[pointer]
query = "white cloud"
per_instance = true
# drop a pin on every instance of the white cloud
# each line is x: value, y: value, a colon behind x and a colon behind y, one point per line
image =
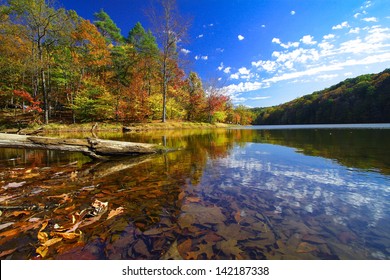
x: 331, y: 67
x: 185, y: 51
x: 308, y: 40
x: 366, y: 5
x: 263, y: 25
x: 286, y: 46
x: 269, y: 65
x: 240, y: 37
x: 348, y: 74
x: 220, y: 67
x: 227, y: 70
x: 234, y: 76
x: 329, y: 36
x: 200, y: 36
x: 201, y: 57
x: 235, y: 89
x: 342, y: 25
x: 370, y: 19
x: 298, y: 55
x: 292, y: 13
x: 356, y: 15
x: 354, y: 30
x: 220, y: 50
x: 259, y: 97
x: 325, y: 46
x: 244, y: 71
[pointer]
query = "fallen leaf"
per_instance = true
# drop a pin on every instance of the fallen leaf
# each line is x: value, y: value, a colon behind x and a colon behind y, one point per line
x: 305, y: 247
x: 18, y: 213
x: 141, y: 248
x: 7, y: 252
x: 52, y: 241
x: 115, y: 212
x: 14, y: 185
x: 66, y: 235
x: 193, y: 199
x: 3, y: 226
x: 99, y: 207
x: 42, y: 237
x: 42, y: 251
x: 206, y: 249
x: 237, y: 216
x: 184, y: 247
x: 230, y: 247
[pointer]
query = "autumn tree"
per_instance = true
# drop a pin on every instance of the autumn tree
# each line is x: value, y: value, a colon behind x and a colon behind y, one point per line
x: 216, y: 102
x: 44, y: 24
x: 196, y: 102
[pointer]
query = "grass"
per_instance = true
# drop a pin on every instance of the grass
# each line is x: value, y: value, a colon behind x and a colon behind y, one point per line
x: 11, y: 123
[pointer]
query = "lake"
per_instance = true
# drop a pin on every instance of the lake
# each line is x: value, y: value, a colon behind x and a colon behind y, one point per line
x: 280, y: 192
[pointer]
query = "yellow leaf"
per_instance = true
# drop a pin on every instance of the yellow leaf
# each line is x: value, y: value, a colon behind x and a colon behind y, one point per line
x: 67, y: 235
x: 42, y: 237
x: 115, y: 212
x: 42, y: 250
x: 52, y: 241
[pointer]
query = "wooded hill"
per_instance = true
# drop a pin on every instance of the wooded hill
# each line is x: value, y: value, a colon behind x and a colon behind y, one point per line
x: 364, y: 99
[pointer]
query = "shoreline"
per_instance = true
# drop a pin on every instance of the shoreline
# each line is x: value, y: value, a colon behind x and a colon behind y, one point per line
x: 117, y: 127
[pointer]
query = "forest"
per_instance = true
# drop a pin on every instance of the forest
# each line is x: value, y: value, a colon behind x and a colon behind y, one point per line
x: 58, y: 66
x: 364, y: 99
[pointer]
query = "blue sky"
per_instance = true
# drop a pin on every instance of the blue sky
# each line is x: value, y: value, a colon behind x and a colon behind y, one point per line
x: 266, y: 52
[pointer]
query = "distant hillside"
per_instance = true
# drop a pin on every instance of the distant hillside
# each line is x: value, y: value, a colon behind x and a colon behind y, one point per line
x: 364, y: 99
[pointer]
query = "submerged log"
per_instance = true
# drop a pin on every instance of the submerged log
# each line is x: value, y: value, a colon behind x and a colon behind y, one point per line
x: 92, y: 147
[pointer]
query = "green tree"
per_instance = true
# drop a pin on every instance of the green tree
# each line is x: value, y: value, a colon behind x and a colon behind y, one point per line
x: 107, y: 27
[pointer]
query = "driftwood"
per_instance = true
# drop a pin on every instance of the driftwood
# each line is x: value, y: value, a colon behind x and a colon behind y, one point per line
x: 95, y: 148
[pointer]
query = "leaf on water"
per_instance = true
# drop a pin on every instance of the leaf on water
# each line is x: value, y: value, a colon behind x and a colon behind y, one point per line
x: 115, y: 212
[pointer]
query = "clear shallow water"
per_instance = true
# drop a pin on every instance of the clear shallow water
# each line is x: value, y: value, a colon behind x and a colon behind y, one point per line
x: 224, y: 194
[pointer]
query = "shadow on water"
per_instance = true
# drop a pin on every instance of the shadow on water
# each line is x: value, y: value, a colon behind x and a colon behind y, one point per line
x: 222, y: 194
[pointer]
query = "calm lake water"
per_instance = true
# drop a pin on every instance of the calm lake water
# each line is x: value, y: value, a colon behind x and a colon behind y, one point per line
x: 281, y: 192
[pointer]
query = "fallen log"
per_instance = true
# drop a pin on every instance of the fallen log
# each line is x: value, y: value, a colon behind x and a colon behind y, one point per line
x: 92, y: 147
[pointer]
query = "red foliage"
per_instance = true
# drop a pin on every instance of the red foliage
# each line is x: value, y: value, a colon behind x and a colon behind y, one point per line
x: 34, y: 105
